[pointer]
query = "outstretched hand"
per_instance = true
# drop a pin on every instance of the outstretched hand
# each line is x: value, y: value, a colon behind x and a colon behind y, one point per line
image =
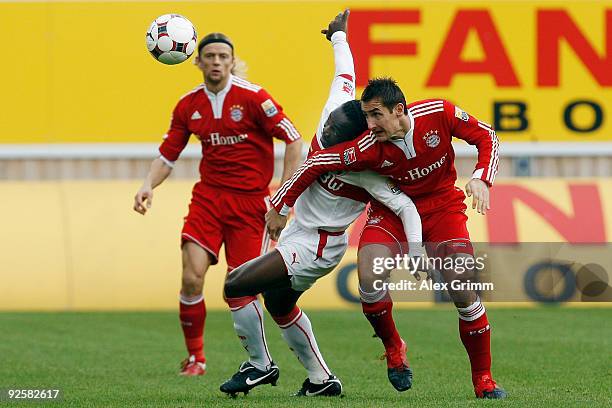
x: 340, y: 23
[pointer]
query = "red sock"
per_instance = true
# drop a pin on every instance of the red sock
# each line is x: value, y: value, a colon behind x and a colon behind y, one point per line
x: 380, y: 316
x: 476, y: 338
x: 192, y: 316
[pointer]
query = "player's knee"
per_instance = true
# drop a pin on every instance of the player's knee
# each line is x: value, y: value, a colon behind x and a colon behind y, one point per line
x: 463, y: 298
x: 234, y: 284
x: 460, y: 268
x: 193, y: 278
x: 365, y: 260
x: 370, y: 260
x: 192, y: 285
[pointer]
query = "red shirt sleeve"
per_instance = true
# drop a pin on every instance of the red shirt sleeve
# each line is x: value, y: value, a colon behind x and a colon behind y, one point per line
x: 177, y: 136
x: 479, y: 134
x: 355, y: 155
x: 273, y: 120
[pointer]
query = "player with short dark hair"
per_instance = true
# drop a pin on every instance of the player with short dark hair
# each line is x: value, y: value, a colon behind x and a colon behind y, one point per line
x: 412, y: 144
x: 384, y: 89
x: 236, y: 122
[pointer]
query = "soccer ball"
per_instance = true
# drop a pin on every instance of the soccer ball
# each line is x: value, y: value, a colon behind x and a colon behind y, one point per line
x: 171, y: 39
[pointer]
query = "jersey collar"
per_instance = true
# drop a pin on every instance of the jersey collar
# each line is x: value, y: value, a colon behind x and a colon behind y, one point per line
x: 411, y: 130
x: 222, y: 92
x: 217, y: 99
x: 407, y: 142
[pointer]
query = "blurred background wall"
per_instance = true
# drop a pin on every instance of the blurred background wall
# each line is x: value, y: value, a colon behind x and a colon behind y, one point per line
x: 84, y: 107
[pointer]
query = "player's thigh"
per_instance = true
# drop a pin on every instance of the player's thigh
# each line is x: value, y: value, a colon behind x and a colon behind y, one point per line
x: 451, y: 249
x: 459, y: 268
x: 202, y: 224
x: 244, y: 229
x: 375, y: 246
x: 446, y: 233
x: 196, y: 260
x: 257, y: 275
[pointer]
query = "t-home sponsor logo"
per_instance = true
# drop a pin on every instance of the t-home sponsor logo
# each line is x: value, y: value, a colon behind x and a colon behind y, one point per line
x: 217, y: 140
x: 418, y: 172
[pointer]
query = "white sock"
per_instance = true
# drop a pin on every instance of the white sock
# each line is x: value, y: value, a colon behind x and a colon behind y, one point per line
x: 301, y: 340
x: 248, y: 324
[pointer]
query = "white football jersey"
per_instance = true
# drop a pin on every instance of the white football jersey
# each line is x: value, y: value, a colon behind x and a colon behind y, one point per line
x: 333, y: 202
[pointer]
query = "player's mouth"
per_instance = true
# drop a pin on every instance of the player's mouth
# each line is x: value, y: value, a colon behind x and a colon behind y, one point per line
x: 379, y: 134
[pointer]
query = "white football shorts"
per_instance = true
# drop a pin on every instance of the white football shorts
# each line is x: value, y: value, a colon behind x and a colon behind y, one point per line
x: 310, y: 254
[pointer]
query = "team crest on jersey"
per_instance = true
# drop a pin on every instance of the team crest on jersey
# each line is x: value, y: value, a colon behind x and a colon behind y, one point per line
x: 236, y: 113
x: 350, y: 156
x: 374, y: 220
x: 269, y: 108
x: 432, y: 139
x: 348, y: 88
x: 460, y: 114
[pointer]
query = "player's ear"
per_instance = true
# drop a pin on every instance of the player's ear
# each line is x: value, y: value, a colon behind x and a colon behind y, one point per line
x: 399, y: 109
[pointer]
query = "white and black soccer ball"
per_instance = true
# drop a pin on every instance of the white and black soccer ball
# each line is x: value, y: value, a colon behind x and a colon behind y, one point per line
x: 171, y: 39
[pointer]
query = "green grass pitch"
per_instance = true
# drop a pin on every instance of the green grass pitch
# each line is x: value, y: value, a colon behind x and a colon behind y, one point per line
x: 545, y: 356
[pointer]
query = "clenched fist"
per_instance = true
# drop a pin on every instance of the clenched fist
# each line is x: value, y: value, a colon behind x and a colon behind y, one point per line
x: 340, y: 23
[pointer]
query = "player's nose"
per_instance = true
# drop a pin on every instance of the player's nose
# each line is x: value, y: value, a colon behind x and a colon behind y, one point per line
x: 371, y: 124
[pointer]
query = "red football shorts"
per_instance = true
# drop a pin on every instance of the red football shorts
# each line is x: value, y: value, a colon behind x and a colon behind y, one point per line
x: 442, y: 217
x: 219, y: 217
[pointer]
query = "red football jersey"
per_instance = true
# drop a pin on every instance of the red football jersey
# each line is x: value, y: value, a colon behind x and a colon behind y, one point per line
x: 235, y: 127
x: 422, y: 163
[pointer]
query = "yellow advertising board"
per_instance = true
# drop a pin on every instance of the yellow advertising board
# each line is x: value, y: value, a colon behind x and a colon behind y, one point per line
x: 79, y: 245
x: 79, y: 70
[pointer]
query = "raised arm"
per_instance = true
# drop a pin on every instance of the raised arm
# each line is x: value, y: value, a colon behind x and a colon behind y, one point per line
x: 342, y: 88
